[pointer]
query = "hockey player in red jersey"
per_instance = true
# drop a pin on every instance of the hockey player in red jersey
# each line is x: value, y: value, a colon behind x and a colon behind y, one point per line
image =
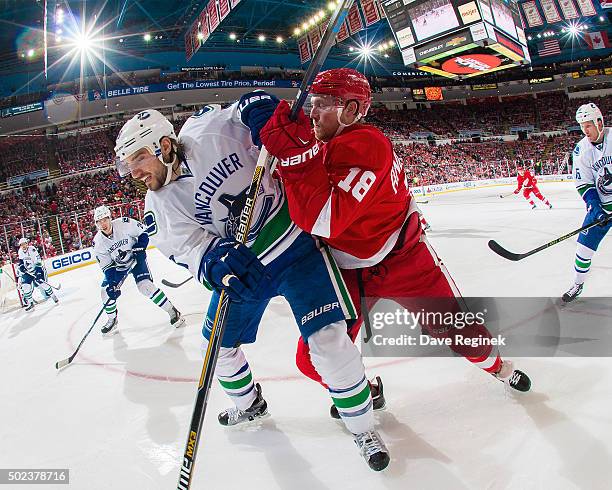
x: 528, y: 183
x: 345, y: 185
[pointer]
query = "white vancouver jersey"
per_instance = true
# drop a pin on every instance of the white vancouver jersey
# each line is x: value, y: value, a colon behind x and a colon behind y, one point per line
x: 186, y: 218
x: 30, y: 258
x: 593, y: 168
x: 125, y: 234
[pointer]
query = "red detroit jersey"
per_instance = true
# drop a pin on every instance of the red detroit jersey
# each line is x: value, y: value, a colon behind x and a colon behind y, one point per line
x: 352, y: 192
x: 526, y: 180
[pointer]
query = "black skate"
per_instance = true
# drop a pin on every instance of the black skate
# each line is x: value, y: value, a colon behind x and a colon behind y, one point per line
x: 176, y: 319
x: 29, y: 306
x: 373, y: 450
x: 235, y: 416
x: 378, y: 398
x: 110, y: 327
x: 514, y: 378
x: 573, y: 293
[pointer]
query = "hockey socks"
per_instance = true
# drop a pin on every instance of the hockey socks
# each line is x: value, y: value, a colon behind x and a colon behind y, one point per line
x: 339, y: 363
x: 490, y: 362
x: 582, y: 263
x: 234, y: 375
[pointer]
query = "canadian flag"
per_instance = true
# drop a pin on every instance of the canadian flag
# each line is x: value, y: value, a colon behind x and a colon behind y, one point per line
x: 597, y: 40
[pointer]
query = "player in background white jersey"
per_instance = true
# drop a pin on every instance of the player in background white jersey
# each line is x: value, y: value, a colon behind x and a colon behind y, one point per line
x: 120, y: 248
x: 197, y: 187
x: 592, y: 159
x: 32, y: 273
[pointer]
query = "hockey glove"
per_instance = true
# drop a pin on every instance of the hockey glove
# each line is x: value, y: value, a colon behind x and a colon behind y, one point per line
x: 284, y: 138
x: 232, y: 267
x: 255, y: 109
x: 594, y: 210
x: 113, y: 291
x: 141, y: 244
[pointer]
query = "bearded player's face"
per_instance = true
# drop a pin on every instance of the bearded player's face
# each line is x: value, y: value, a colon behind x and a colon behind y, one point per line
x: 147, y: 168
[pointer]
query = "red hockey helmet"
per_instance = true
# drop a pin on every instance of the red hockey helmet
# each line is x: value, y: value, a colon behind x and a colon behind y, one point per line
x: 345, y: 83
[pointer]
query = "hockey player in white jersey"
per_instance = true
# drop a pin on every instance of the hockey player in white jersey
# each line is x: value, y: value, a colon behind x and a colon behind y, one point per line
x: 32, y: 273
x: 592, y: 159
x: 120, y: 248
x: 197, y: 187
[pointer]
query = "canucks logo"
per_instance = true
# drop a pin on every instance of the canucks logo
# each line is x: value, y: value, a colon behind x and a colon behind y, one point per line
x: 604, y: 182
x: 234, y: 205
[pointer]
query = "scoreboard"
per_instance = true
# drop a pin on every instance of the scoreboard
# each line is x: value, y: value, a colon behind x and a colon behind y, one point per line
x: 458, y: 38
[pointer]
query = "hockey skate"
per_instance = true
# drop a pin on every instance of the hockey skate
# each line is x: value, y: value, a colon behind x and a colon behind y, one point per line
x: 54, y: 298
x: 110, y: 327
x: 373, y: 450
x: 573, y: 293
x: 30, y: 306
x: 378, y: 398
x: 514, y: 378
x: 235, y: 416
x: 176, y: 319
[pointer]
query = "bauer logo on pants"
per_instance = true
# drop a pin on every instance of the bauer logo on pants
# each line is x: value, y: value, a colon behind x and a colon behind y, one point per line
x: 319, y: 311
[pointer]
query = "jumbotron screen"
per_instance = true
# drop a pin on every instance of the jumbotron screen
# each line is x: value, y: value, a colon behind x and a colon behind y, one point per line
x: 458, y: 38
x: 432, y: 17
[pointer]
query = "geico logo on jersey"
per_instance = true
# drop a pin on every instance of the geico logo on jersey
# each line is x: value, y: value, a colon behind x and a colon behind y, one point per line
x: 303, y: 157
x: 71, y: 259
x: 319, y: 311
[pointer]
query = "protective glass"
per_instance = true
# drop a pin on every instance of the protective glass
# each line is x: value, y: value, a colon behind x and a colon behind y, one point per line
x: 322, y: 103
x: 135, y: 160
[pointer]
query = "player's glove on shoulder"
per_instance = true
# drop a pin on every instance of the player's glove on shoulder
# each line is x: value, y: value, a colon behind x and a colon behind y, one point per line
x: 255, y: 108
x: 232, y: 267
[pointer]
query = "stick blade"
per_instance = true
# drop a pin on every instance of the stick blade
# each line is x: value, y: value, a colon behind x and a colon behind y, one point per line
x: 506, y: 254
x: 62, y: 364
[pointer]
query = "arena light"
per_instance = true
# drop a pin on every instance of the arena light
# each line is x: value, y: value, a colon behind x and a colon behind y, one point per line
x: 279, y: 39
x: 261, y: 38
x: 232, y: 36
x: 366, y: 51
x: 147, y: 37
x: 200, y: 36
x: 30, y: 53
x: 331, y: 6
x: 296, y: 31
x: 573, y: 30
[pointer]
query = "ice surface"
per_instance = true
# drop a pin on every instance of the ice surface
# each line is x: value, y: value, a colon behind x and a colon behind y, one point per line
x: 117, y: 417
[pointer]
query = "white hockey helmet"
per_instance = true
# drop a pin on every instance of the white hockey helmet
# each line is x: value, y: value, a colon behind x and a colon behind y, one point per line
x: 588, y: 112
x: 101, y: 212
x: 23, y: 241
x: 144, y: 130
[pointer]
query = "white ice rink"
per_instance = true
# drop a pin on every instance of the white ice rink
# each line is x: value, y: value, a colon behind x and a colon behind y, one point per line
x: 117, y: 417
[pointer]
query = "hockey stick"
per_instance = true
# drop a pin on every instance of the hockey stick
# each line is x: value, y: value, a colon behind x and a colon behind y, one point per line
x: 64, y: 362
x: 421, y: 202
x: 57, y: 288
x: 499, y: 250
x: 506, y: 195
x: 218, y: 327
x: 176, y: 284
